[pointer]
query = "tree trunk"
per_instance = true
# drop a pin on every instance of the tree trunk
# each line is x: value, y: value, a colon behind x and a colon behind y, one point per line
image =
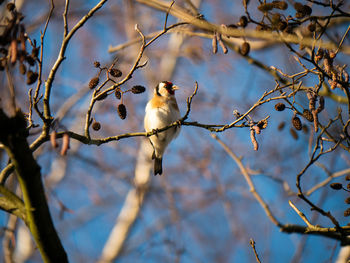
x: 13, y: 136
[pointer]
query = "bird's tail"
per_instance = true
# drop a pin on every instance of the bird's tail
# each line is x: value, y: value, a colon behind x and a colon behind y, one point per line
x: 158, y: 166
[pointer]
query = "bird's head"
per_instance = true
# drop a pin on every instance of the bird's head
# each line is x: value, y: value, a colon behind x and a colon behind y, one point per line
x: 166, y: 89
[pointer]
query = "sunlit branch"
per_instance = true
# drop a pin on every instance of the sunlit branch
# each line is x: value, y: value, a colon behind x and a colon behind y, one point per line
x: 180, y: 13
x: 61, y: 56
x: 338, y: 233
x: 327, y: 180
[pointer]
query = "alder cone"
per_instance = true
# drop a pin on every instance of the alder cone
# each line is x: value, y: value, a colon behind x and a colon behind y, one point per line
x: 280, y: 5
x: 308, y: 115
x: 116, y: 72
x: 30, y: 60
x: 245, y: 48
x: 302, y: 10
x: 294, y: 134
x: 138, y: 89
x: 281, y: 125
x: 121, y: 111
x: 297, y: 123
x: 31, y: 77
x: 94, y: 82
x: 265, y: 7
x: 101, y: 96
x: 307, y: 10
x: 118, y: 94
x: 243, y: 21
x: 347, y: 200
x: 97, y: 64
x: 96, y: 126
x: 347, y: 212
x: 336, y: 186
x: 298, y: 7
x: 280, y: 106
x: 35, y: 52
x: 311, y: 27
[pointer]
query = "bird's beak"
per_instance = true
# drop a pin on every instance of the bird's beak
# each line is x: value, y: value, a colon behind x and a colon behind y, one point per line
x: 174, y: 87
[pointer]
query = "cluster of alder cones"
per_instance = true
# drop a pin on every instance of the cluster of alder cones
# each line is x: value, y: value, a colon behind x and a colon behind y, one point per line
x: 112, y: 73
x: 13, y: 46
x: 310, y: 114
x: 339, y: 186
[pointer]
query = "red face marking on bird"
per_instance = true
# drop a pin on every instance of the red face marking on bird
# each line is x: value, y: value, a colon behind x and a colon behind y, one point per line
x: 166, y: 89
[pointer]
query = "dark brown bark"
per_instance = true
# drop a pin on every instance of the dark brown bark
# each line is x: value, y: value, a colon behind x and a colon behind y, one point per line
x: 13, y: 135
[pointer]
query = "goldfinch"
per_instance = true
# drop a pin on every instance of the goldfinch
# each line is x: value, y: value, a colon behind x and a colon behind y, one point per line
x: 161, y: 111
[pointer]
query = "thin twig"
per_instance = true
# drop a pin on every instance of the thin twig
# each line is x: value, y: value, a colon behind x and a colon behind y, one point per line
x: 248, y: 179
x: 342, y: 40
x: 126, y: 78
x: 61, y: 57
x: 65, y: 20
x: 167, y: 14
x: 30, y: 114
x: 40, y: 70
x: 184, y: 15
x: 314, y: 158
x: 327, y: 180
x: 252, y: 243
x: 5, y: 173
x: 302, y: 216
x: 189, y: 101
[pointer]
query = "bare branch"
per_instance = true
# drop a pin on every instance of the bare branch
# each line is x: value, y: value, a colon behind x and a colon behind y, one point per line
x: 302, y: 216
x: 252, y: 244
x: 249, y: 181
x: 61, y: 57
x: 231, y: 32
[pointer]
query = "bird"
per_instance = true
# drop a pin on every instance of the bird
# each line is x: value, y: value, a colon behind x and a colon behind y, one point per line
x: 161, y: 111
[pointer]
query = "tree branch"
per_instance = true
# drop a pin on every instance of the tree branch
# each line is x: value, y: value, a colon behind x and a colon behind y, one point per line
x: 334, y: 233
x: 182, y: 14
x: 61, y: 56
x: 11, y: 203
x: 38, y: 217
